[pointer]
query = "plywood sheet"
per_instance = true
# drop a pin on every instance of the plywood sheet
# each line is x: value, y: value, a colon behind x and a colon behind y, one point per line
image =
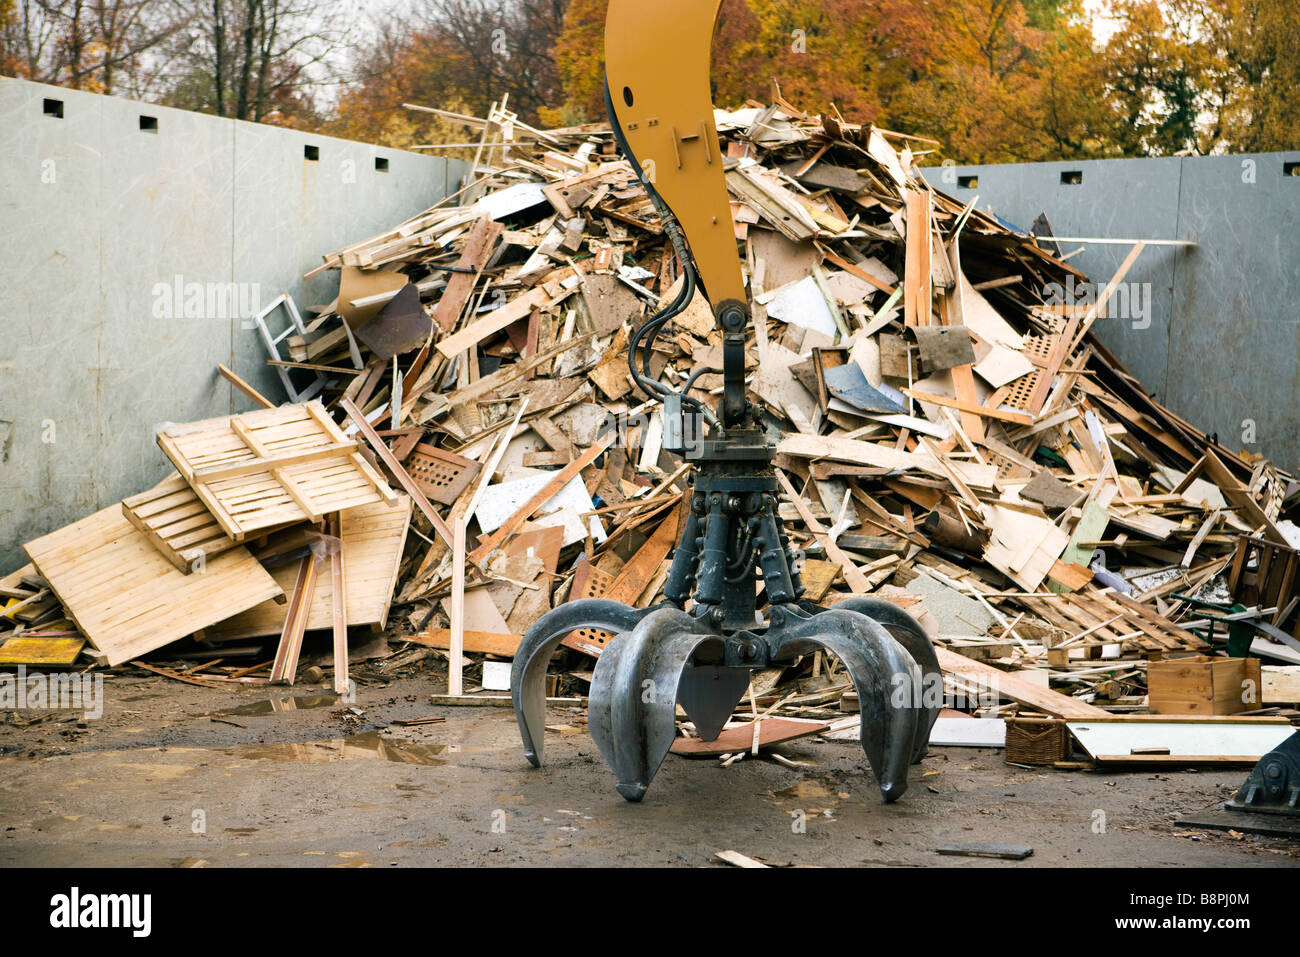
x: 373, y: 538
x: 272, y: 467
x: 740, y: 737
x: 127, y: 598
x: 40, y: 652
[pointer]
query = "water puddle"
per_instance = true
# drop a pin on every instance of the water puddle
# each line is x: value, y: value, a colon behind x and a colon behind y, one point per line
x: 369, y: 746
x: 278, y: 705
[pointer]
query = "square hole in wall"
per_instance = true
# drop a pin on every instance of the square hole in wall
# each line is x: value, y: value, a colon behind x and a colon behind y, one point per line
x: 381, y: 164
x: 54, y: 108
x: 1291, y: 169
x: 968, y: 182
x: 1072, y: 177
x: 311, y: 152
x: 148, y: 124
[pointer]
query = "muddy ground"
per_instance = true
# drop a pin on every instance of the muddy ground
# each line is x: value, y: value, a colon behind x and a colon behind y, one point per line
x: 157, y: 781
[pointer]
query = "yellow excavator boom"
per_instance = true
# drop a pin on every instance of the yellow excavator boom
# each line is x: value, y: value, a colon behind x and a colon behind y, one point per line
x: 657, y: 70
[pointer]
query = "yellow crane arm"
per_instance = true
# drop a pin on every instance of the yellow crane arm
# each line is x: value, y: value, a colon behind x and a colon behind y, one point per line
x: 657, y: 73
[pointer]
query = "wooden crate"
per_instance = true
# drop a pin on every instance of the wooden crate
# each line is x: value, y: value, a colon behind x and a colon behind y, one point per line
x: 1036, y: 739
x: 1267, y: 574
x: 1202, y: 685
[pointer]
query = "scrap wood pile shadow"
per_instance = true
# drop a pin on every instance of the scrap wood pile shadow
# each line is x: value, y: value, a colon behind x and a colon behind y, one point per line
x: 957, y: 444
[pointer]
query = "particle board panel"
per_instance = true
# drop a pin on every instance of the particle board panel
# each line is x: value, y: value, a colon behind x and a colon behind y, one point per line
x: 373, y: 539
x: 272, y: 467
x: 128, y: 599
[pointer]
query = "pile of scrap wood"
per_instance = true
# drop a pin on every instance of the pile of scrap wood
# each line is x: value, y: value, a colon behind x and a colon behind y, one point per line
x: 950, y: 437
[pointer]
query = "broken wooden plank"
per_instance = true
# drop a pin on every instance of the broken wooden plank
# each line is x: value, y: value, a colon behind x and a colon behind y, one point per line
x: 1009, y: 685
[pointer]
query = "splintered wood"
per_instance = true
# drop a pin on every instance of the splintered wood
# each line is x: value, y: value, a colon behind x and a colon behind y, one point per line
x: 272, y: 467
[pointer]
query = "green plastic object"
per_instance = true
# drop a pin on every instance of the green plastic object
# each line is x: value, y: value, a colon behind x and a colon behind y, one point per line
x: 1240, y: 635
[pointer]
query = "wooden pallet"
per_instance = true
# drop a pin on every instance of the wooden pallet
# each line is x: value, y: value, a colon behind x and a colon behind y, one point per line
x: 373, y: 538
x: 128, y: 599
x: 272, y: 467
x: 178, y: 524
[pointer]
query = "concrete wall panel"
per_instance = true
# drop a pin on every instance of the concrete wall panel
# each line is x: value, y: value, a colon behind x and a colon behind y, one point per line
x: 103, y: 222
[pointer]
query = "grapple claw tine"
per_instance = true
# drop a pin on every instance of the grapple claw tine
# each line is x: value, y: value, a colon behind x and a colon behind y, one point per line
x: 709, y: 694
x: 888, y: 683
x: 632, y: 708
x: 907, y: 631
x: 528, y: 674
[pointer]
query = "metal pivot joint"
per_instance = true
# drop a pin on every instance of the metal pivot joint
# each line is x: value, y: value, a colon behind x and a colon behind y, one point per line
x: 734, y: 599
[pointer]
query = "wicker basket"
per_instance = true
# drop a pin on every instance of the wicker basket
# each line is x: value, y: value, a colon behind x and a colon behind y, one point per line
x: 1036, y: 739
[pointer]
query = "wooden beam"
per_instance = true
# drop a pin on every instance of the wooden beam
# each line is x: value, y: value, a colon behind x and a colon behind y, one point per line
x: 1076, y: 329
x: 917, y: 290
x: 270, y: 463
x: 233, y: 378
x: 339, y: 593
x: 390, y: 462
x: 496, y: 320
x: 456, y: 642
x: 478, y: 247
x: 285, y: 667
x: 1018, y: 418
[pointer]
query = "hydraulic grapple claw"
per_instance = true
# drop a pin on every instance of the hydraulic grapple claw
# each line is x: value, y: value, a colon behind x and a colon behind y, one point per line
x: 528, y: 674
x: 885, y: 676
x: 633, y: 703
x: 732, y: 537
x: 907, y: 631
x: 663, y: 657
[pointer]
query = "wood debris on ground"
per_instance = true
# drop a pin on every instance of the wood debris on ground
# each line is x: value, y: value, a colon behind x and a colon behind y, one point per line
x: 464, y: 449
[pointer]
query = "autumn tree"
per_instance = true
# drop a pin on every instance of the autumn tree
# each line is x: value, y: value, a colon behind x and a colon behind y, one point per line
x: 255, y: 59
x: 1254, y: 51
x: 104, y: 46
x: 460, y: 55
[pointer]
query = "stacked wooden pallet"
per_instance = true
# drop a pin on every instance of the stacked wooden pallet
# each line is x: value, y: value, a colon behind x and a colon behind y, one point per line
x: 204, y: 551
